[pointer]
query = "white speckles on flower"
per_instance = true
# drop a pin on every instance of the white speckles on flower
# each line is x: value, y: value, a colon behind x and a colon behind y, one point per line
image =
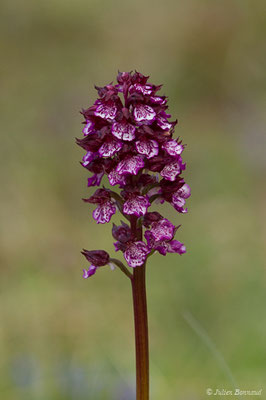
x: 170, y: 171
x: 116, y: 179
x: 179, y: 198
x: 162, y: 230
x: 173, y: 148
x: 130, y: 165
x: 144, y: 113
x: 136, y: 205
x: 104, y: 212
x: 149, y: 148
x: 124, y: 131
x: 136, y: 254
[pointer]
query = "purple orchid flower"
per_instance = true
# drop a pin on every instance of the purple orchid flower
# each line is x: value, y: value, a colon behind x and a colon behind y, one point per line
x: 131, y: 142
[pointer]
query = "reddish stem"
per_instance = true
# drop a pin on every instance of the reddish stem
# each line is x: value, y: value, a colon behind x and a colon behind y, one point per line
x: 141, y: 325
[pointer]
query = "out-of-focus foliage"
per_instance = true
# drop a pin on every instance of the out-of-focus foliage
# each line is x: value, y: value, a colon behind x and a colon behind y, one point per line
x: 62, y: 337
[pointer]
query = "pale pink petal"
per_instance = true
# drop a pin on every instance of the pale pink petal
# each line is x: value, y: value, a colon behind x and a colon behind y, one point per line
x: 144, y: 113
x: 149, y: 148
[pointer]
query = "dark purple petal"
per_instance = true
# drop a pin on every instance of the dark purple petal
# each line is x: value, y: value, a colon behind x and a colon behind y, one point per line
x: 104, y: 212
x: 130, y: 165
x: 109, y: 148
x: 91, y: 271
x: 149, y: 148
x: 122, y: 233
x: 123, y: 130
x: 150, y: 239
x: 88, y: 158
x: 96, y: 257
x: 176, y: 247
x: 136, y: 254
x: 106, y: 110
x: 136, y: 205
x: 151, y: 217
x: 100, y: 196
x: 171, y: 171
x: 95, y: 180
x: 88, y: 128
x: 144, y: 113
x: 173, y: 148
x: 116, y: 179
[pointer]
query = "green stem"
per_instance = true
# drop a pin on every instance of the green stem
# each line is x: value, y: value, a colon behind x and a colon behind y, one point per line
x: 141, y: 324
x: 120, y: 265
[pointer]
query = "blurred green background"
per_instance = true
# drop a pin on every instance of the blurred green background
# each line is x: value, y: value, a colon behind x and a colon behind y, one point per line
x: 63, y: 337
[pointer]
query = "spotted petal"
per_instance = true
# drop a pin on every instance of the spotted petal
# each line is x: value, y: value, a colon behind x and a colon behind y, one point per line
x: 136, y: 254
x: 104, y: 212
x: 130, y: 165
x: 136, y: 205
x: 162, y: 230
x: 170, y: 171
x: 116, y: 179
x: 173, y: 148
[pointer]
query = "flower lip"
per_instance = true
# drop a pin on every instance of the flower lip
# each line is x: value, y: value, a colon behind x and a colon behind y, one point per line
x: 173, y: 148
x: 136, y: 253
x: 91, y: 271
x: 170, y: 171
x: 130, y: 165
x: 116, y: 179
x: 162, y: 230
x: 104, y: 212
x: 109, y: 148
x: 105, y: 110
x: 149, y: 148
x: 123, y: 131
x: 136, y: 205
x: 144, y: 113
